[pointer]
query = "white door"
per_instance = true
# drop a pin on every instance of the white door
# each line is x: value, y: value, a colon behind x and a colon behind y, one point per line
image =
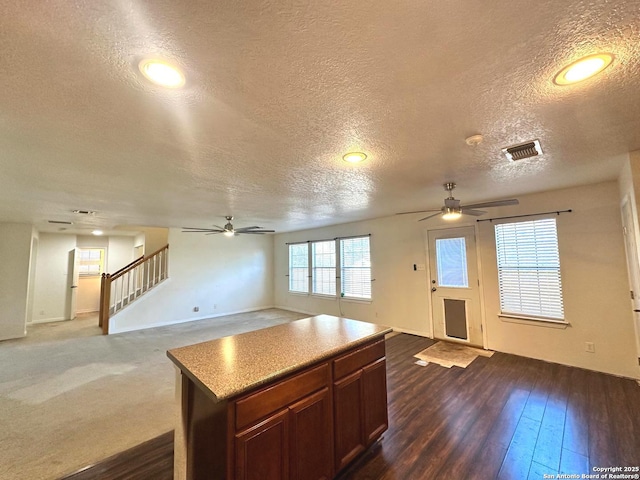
x: 74, y: 276
x: 454, y: 284
x: 631, y: 249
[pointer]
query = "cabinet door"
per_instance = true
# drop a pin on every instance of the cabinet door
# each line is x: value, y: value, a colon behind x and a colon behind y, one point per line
x: 262, y: 451
x: 374, y: 383
x: 311, y: 437
x: 349, y: 431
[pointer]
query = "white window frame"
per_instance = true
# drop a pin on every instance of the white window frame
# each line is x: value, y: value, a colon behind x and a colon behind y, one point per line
x: 529, y: 279
x: 291, y: 276
x: 366, y: 283
x: 318, y: 281
x: 337, y: 277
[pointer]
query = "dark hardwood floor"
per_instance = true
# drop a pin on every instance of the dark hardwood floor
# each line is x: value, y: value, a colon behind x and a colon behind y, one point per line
x: 503, y: 417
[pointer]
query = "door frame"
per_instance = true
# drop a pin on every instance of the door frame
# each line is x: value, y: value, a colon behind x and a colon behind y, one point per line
x: 483, y: 323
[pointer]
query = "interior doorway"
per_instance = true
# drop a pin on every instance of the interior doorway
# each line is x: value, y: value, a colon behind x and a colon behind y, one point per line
x: 454, y: 284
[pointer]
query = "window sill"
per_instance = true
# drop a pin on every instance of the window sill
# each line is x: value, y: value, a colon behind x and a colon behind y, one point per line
x: 324, y: 296
x: 366, y: 301
x: 536, y: 321
x: 299, y: 294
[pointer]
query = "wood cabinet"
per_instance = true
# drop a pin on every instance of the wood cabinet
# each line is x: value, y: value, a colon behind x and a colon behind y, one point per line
x: 308, y: 425
x: 360, y: 401
x: 293, y: 443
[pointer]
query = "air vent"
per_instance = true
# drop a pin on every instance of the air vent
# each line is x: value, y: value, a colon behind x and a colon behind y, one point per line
x: 523, y: 150
x: 60, y: 222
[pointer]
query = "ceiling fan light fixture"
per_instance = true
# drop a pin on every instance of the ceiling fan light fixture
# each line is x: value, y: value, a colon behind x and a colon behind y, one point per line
x: 229, y: 233
x: 449, y: 213
x: 583, y: 68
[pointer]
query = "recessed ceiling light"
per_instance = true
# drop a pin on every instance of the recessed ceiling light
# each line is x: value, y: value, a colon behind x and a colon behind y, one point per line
x: 161, y: 73
x: 474, y: 140
x: 97, y: 232
x: 354, y: 157
x: 582, y: 69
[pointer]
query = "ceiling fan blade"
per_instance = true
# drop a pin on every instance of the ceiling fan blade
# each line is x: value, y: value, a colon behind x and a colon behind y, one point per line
x: 430, y: 216
x: 200, y: 230
x: 213, y: 233
x: 497, y: 203
x: 419, y: 211
x: 475, y: 213
x: 243, y: 229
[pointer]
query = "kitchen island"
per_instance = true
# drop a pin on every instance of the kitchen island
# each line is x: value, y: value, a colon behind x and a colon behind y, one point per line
x: 299, y: 400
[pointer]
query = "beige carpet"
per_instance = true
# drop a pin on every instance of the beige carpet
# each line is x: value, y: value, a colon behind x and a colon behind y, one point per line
x: 449, y: 354
x: 68, y: 401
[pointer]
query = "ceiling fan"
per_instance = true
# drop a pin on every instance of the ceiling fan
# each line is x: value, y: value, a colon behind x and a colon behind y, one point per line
x: 227, y: 230
x: 452, y: 210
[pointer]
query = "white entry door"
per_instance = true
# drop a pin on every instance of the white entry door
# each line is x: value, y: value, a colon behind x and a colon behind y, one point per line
x: 454, y: 284
x: 631, y: 249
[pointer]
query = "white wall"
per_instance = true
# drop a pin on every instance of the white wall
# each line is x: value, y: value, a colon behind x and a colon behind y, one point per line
x: 594, y: 281
x: 120, y: 253
x: 52, y: 282
x: 219, y: 275
x: 593, y: 271
x: 400, y: 297
x: 15, y: 258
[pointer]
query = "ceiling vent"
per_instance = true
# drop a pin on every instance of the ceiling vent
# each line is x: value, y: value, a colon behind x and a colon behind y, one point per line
x: 60, y: 222
x: 523, y: 150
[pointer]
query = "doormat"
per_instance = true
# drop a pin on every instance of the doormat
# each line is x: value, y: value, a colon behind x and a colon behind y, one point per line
x: 448, y: 354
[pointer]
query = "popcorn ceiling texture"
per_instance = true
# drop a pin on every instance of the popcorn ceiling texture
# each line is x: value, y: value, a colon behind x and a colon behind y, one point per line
x: 277, y: 92
x: 232, y: 365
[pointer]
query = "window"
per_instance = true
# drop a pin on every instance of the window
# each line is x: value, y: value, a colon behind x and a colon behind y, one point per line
x: 451, y: 261
x: 529, y: 269
x: 323, y: 276
x: 355, y: 268
x: 324, y: 258
x: 90, y: 261
x: 299, y: 268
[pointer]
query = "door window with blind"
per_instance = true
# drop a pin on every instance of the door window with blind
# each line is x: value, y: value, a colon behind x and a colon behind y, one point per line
x: 323, y: 270
x: 355, y: 268
x: 313, y: 268
x: 529, y: 269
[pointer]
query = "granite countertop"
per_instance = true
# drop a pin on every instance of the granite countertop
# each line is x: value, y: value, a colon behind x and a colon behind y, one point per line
x: 232, y: 365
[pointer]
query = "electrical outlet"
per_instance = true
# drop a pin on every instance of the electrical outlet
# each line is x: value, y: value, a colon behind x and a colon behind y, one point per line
x: 196, y: 309
x: 590, y: 347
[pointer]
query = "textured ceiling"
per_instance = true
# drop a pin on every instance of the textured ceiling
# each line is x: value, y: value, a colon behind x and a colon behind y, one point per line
x: 277, y: 92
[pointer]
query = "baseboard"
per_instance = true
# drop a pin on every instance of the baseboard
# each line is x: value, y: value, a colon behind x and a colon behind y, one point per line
x: 114, y: 328
x: 49, y: 320
x: 412, y: 332
x: 296, y: 310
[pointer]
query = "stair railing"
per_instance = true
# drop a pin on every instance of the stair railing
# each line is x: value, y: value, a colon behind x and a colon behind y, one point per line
x: 121, y: 288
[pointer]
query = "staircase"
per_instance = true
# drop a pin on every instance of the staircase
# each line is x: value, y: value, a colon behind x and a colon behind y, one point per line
x: 119, y: 289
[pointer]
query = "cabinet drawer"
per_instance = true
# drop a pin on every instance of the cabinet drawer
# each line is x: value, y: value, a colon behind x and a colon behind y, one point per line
x: 351, y: 362
x: 257, y: 405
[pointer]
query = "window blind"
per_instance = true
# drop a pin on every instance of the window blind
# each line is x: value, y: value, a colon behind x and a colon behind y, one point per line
x: 299, y: 268
x: 529, y: 269
x: 323, y: 256
x: 355, y: 267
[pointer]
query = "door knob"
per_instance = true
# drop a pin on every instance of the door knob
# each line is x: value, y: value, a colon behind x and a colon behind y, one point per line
x: 433, y: 289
